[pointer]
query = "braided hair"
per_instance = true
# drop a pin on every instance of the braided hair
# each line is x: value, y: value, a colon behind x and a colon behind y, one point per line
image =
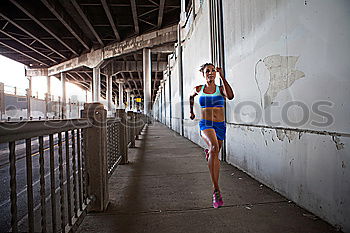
x: 204, y: 65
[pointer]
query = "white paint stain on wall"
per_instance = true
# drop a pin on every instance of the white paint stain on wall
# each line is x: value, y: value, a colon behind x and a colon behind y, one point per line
x: 282, y: 75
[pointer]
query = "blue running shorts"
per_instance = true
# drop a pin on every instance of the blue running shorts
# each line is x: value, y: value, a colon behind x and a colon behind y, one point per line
x: 219, y: 127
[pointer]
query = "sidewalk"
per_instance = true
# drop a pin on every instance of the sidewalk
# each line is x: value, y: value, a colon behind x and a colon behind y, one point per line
x: 166, y: 188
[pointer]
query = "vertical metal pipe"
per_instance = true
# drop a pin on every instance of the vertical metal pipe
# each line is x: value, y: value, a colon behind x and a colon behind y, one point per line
x: 75, y: 208
x: 69, y: 206
x: 79, y: 170
x: 13, y: 186
x: 29, y: 185
x: 53, y: 185
x: 60, y: 167
x: 147, y: 83
x: 42, y: 184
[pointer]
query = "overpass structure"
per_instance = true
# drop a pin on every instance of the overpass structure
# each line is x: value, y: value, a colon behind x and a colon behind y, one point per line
x: 98, y: 45
x: 287, y: 126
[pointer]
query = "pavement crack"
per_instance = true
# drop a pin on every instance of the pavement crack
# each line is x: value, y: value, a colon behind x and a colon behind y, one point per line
x: 146, y: 212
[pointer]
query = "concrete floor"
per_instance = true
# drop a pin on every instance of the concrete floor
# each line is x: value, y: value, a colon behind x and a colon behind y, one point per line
x: 166, y: 188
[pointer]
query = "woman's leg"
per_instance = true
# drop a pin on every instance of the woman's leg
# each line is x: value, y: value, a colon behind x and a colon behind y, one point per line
x: 209, y: 137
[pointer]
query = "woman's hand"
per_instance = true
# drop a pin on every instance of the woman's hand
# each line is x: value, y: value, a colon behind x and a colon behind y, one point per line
x: 221, y: 72
x: 192, y: 116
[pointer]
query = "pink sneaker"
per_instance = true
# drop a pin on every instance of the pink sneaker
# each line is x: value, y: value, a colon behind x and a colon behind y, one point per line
x: 217, y: 199
x: 206, y: 151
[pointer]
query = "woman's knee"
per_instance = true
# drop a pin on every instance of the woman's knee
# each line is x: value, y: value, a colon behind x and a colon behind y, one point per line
x: 214, y: 149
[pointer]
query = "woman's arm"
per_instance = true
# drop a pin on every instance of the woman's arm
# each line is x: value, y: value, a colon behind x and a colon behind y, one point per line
x: 226, y: 88
x: 193, y: 94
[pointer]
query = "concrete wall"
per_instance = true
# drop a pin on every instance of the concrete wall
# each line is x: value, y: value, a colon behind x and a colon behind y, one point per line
x: 277, y: 52
x: 288, y: 126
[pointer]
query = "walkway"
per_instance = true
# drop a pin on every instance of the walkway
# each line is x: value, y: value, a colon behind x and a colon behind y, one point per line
x: 166, y: 188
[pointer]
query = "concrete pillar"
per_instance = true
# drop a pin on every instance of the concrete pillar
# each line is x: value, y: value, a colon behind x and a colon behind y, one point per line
x: 121, y: 93
x: 29, y: 97
x: 164, y: 94
x: 170, y: 105
x: 147, y: 84
x: 128, y: 99
x: 96, y: 84
x: 180, y: 76
x: 183, y: 11
x: 64, y: 96
x: 2, y: 99
x: 132, y: 97
x: 95, y: 145
x: 48, y: 85
x: 109, y: 91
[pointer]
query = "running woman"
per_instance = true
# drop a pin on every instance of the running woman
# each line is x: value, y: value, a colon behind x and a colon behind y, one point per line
x: 212, y: 124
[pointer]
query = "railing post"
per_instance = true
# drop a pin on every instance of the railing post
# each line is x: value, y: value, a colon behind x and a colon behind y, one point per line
x: 137, y: 122
x: 95, y: 145
x: 131, y: 128
x: 120, y: 113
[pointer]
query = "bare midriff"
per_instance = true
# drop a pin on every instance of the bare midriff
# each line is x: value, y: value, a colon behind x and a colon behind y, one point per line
x: 213, y: 114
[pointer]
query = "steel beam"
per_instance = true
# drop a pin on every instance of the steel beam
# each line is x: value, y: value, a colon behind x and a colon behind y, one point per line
x: 160, y: 14
x: 87, y: 22
x: 110, y: 19
x: 14, y: 2
x: 26, y: 55
x: 134, y: 16
x: 65, y: 20
x: 28, y: 46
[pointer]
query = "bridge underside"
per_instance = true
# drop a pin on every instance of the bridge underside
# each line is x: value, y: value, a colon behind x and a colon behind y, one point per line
x: 51, y: 34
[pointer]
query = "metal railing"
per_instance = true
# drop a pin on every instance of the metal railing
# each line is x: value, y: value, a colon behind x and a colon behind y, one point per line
x: 74, y: 155
x: 61, y: 150
x: 114, y: 155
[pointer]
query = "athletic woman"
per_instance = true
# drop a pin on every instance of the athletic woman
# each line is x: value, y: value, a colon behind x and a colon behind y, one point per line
x: 212, y: 124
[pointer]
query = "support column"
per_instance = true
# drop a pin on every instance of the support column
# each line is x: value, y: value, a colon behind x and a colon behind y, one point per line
x: 132, y: 96
x: 165, y: 106
x: 147, y: 84
x: 183, y: 11
x: 96, y: 84
x: 109, y: 91
x: 29, y: 96
x: 180, y: 74
x: 121, y: 93
x: 170, y: 104
x: 64, y: 96
x: 2, y: 99
x: 47, y: 96
x: 128, y: 99
x: 48, y: 84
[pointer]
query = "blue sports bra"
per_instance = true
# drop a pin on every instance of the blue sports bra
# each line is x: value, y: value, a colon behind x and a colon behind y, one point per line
x: 211, y: 100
